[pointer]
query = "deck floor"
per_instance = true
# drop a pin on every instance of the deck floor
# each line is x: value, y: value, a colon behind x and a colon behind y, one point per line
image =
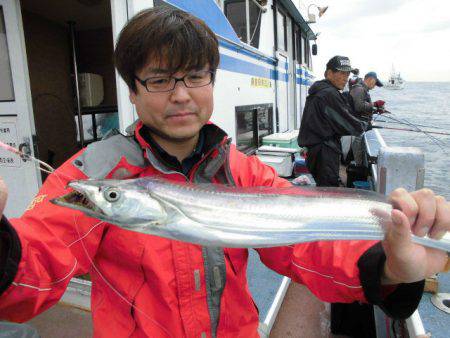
x: 63, y: 321
x: 302, y: 315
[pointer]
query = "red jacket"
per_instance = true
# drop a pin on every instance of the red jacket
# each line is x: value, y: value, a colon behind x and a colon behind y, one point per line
x: 144, y: 285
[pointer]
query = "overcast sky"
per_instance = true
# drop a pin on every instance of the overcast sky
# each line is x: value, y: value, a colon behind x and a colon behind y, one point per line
x: 413, y: 35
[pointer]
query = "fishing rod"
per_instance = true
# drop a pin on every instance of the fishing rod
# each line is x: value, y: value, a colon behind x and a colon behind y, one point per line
x: 420, y: 125
x: 417, y: 124
x: 413, y: 130
x: 435, y: 140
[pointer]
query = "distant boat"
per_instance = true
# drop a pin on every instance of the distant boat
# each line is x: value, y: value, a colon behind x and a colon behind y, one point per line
x: 395, y: 81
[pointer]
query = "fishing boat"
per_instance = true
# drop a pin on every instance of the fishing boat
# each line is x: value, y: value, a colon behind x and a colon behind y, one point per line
x: 53, y: 51
x: 395, y: 81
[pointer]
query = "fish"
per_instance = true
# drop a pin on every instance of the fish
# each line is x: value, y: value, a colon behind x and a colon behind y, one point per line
x: 233, y: 217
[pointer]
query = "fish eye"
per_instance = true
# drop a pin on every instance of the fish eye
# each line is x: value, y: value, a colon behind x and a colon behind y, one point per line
x: 111, y: 194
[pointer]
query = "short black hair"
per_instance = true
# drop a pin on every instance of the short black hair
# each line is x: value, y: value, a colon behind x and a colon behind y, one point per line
x: 170, y: 36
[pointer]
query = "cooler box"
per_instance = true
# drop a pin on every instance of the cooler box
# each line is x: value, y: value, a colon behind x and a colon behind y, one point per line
x: 281, y: 162
x: 283, y: 140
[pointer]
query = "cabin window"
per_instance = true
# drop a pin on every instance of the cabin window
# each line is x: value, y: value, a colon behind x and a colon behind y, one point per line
x: 252, y: 124
x: 303, y: 49
x: 298, y: 45
x: 236, y: 13
x: 281, y: 31
x: 255, y: 23
x: 308, y: 53
x: 6, y: 83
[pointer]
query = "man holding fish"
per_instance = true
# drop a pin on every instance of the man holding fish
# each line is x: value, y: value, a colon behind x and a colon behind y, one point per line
x: 145, y: 285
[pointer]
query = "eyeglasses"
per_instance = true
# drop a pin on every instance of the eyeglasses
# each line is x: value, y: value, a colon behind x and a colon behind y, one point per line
x: 160, y: 84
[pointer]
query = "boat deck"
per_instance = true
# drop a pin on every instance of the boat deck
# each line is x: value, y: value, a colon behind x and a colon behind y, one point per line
x: 63, y: 321
x: 435, y: 321
x: 301, y: 314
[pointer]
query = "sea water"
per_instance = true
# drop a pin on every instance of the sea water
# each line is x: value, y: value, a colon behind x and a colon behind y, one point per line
x: 424, y: 103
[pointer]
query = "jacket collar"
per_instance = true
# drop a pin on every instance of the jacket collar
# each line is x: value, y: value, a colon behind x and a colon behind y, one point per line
x: 213, y: 136
x: 215, y: 151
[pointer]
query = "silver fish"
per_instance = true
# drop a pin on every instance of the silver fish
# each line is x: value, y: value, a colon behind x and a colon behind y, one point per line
x: 216, y: 215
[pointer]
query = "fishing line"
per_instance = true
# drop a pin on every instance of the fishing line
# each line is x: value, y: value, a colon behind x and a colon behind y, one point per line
x: 412, y: 130
x: 406, y: 122
x: 41, y: 164
x: 45, y: 167
x: 435, y: 140
x: 398, y: 122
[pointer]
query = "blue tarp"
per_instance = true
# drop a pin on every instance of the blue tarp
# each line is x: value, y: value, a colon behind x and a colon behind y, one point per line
x: 208, y: 11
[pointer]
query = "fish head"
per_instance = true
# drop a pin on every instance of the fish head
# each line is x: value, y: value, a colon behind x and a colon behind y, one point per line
x: 122, y: 202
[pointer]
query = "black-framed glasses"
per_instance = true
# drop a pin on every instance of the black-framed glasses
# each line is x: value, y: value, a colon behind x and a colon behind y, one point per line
x: 160, y: 84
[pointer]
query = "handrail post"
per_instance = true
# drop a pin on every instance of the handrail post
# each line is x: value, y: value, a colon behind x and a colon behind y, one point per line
x: 397, y: 167
x: 400, y: 167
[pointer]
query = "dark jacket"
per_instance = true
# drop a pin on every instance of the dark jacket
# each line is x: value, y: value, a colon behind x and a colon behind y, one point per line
x: 326, y: 117
x: 362, y: 102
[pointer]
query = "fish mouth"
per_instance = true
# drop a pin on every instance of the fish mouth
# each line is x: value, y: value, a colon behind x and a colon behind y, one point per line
x: 78, y: 201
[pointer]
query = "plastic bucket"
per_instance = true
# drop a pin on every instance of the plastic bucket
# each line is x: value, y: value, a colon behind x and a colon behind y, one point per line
x: 361, y: 185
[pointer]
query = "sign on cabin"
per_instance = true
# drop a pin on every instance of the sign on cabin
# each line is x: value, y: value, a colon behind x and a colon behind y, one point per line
x: 8, y: 135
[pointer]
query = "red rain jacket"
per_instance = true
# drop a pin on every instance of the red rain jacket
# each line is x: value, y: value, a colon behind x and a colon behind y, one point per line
x: 144, y: 285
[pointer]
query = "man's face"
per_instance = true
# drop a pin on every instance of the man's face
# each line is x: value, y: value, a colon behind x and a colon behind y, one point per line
x: 370, y: 82
x: 177, y: 115
x: 338, y: 78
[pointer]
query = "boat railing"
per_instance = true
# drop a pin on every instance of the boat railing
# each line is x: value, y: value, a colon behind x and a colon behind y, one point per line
x: 78, y: 294
x: 393, y: 167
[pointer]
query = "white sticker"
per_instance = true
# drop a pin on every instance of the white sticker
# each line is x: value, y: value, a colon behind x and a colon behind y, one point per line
x: 8, y: 135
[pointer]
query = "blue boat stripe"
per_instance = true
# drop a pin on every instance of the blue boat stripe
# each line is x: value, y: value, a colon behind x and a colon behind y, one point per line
x: 243, y: 51
x: 303, y: 82
x: 244, y: 67
x: 237, y: 65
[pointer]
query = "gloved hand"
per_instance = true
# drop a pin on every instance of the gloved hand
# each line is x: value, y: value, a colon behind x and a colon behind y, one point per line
x: 379, y: 104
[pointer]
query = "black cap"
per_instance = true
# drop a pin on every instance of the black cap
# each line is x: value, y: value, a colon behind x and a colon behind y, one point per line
x: 341, y: 63
x: 374, y: 75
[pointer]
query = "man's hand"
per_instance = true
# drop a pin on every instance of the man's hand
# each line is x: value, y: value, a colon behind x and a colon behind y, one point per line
x: 422, y: 213
x: 379, y: 104
x: 3, y: 196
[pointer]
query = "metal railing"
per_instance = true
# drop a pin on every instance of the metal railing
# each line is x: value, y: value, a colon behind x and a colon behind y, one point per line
x: 391, y: 168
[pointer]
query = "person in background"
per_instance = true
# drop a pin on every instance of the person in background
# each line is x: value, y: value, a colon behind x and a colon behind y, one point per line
x: 363, y: 105
x: 327, y: 117
x: 354, y: 79
x: 147, y: 286
x: 364, y: 109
